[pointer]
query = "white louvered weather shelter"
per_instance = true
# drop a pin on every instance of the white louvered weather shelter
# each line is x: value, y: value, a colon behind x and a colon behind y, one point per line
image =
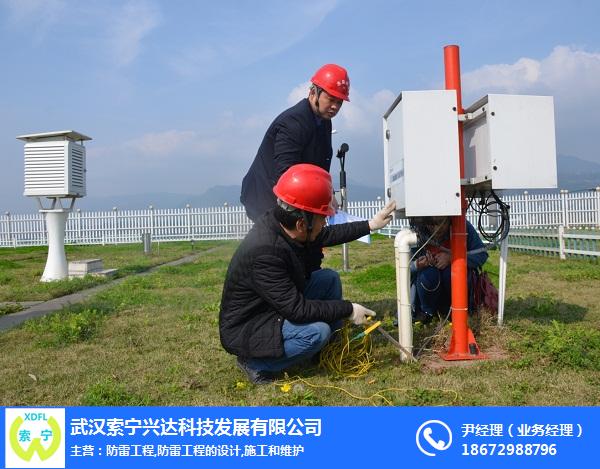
x: 55, y: 170
x: 54, y: 164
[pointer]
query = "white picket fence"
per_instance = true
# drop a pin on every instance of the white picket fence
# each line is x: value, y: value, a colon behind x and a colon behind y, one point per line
x: 533, y: 216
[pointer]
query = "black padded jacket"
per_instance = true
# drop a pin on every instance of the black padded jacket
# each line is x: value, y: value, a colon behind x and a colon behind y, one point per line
x: 265, y: 283
x: 295, y: 136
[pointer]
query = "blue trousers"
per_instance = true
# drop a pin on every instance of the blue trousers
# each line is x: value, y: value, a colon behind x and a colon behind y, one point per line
x: 302, y: 341
x: 434, y: 291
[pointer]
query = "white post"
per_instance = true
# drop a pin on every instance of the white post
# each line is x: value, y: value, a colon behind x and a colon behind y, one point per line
x: 151, y: 208
x: 56, y: 265
x: 561, y: 242
x: 598, y: 206
x: 44, y: 230
x: 226, y: 208
x: 9, y: 234
x: 78, y: 224
x: 115, y: 220
x: 502, y: 281
x: 526, y: 198
x: 402, y: 243
x: 188, y: 219
x: 563, y: 203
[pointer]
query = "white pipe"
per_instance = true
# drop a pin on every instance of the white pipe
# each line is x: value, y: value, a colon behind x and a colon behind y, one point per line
x: 402, y: 244
x: 502, y: 283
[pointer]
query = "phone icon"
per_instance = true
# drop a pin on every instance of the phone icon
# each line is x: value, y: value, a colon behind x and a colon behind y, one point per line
x: 439, y: 445
x: 425, y: 440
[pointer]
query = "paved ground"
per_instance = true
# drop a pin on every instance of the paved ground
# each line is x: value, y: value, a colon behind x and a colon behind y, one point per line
x: 23, y: 304
x: 36, y: 309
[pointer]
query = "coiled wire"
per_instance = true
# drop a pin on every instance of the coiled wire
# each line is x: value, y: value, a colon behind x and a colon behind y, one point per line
x: 491, y: 205
x: 346, y: 356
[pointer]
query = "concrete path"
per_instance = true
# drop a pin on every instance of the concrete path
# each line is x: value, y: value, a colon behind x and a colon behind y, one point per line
x: 42, y: 308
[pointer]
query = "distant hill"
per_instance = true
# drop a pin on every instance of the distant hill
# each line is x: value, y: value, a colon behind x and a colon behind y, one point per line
x: 577, y: 174
x: 214, y: 196
x: 131, y: 201
x: 574, y: 174
x: 357, y: 191
x: 218, y: 195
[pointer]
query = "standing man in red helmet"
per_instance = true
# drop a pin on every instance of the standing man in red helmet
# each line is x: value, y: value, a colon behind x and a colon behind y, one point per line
x: 274, y: 314
x: 300, y: 134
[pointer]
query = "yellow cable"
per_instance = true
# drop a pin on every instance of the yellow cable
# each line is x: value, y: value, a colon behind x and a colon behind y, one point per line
x: 378, y: 394
x: 345, y: 357
x: 372, y: 328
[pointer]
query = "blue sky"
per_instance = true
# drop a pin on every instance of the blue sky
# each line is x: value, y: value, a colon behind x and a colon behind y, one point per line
x: 177, y: 94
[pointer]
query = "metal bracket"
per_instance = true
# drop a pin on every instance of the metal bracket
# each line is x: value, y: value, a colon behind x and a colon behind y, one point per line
x: 56, y: 204
x: 471, y: 116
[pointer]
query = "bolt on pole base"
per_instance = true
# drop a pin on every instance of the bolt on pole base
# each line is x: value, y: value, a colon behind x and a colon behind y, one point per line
x: 473, y: 352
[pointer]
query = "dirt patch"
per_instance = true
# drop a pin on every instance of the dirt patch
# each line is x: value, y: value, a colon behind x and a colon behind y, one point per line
x: 435, y: 364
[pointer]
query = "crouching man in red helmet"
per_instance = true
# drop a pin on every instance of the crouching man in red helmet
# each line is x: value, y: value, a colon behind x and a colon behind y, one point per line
x: 274, y: 312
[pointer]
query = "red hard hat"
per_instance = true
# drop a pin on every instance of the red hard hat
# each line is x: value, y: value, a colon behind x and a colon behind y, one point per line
x: 306, y: 187
x: 333, y: 79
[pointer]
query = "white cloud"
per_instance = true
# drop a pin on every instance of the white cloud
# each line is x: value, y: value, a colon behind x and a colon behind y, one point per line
x: 181, y: 160
x: 569, y: 74
x: 255, y: 122
x: 129, y: 26
x: 572, y: 72
x: 566, y: 73
x: 170, y: 143
x: 363, y: 114
x: 298, y: 93
x: 508, y: 77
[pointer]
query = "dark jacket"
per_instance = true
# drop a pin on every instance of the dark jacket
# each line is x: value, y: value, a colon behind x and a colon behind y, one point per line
x: 295, y: 136
x: 265, y: 283
x: 477, y: 255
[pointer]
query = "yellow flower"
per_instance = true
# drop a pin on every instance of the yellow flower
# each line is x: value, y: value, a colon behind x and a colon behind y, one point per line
x: 286, y: 387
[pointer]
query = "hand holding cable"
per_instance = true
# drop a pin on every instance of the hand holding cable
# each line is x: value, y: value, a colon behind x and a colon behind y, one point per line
x: 442, y: 260
x: 360, y: 315
x: 383, y: 217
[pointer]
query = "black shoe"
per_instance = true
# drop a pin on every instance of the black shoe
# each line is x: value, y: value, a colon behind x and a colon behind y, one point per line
x: 255, y: 376
x: 422, y: 317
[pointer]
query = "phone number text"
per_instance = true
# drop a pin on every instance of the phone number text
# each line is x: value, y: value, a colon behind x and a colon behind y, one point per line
x: 509, y: 449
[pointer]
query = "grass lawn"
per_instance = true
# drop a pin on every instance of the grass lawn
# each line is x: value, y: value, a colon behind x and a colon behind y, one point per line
x: 22, y: 268
x: 153, y: 340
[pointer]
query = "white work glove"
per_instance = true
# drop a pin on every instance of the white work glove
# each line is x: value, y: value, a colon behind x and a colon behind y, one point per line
x: 360, y: 314
x: 383, y: 217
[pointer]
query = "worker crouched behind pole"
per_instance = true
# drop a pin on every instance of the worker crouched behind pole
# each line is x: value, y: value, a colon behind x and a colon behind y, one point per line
x: 274, y: 312
x: 430, y: 271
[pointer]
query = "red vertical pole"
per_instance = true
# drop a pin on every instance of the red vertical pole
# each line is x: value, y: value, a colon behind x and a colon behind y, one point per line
x: 462, y: 345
